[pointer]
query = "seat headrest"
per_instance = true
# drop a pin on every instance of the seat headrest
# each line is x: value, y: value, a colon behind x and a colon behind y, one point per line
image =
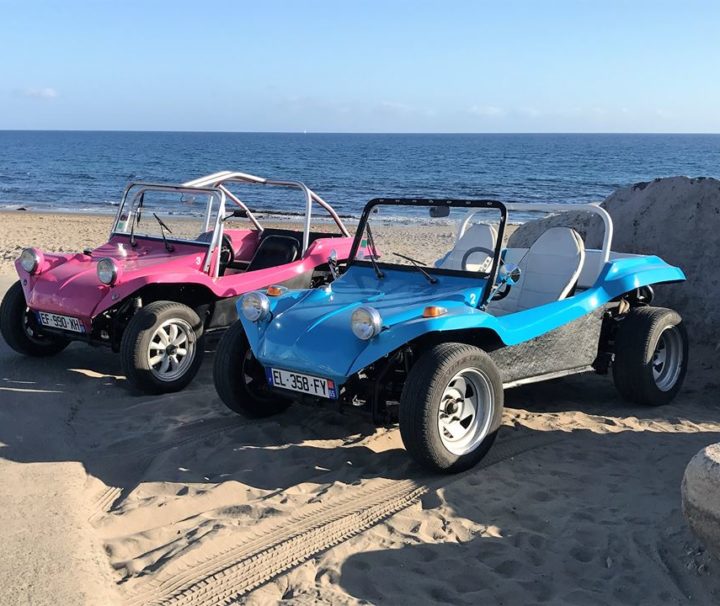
x: 477, y: 235
x: 559, y: 241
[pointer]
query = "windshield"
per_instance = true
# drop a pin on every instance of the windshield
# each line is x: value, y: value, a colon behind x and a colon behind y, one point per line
x: 179, y: 216
x: 435, y: 237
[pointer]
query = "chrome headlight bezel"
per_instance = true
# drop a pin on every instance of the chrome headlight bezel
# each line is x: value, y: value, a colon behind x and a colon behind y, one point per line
x: 30, y: 260
x: 366, y: 322
x: 255, y: 306
x: 107, y: 271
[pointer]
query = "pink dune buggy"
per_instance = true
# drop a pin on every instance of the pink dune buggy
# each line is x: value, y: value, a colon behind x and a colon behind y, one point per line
x: 175, y: 264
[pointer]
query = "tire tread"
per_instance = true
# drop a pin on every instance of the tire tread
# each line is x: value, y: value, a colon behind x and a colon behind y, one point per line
x: 132, y: 355
x: 634, y: 345
x: 416, y: 426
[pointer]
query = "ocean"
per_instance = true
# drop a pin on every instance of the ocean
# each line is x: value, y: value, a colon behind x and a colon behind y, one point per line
x: 87, y: 171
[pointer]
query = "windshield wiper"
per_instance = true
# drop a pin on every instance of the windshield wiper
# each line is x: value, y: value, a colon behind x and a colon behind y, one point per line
x: 431, y: 279
x: 375, y: 265
x: 169, y: 247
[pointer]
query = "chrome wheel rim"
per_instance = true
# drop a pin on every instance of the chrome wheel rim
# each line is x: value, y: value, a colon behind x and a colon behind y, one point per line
x: 466, y: 411
x: 667, y: 359
x: 171, y: 350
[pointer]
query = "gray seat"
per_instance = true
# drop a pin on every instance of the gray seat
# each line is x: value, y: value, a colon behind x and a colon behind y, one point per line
x: 550, y: 271
x: 274, y: 250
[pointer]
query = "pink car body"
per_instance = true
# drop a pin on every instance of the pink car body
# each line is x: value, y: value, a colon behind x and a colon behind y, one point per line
x: 191, y: 272
x: 68, y: 284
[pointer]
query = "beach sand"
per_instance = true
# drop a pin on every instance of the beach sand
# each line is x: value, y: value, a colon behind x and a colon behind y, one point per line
x: 107, y: 497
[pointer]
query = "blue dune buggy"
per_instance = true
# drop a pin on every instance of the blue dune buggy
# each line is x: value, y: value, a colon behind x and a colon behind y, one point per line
x: 433, y: 343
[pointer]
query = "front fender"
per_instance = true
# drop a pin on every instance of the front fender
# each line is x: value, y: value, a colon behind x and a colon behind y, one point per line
x: 129, y: 286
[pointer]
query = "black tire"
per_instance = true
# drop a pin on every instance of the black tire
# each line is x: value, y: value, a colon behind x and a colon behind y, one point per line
x: 19, y: 330
x: 136, y: 341
x: 634, y: 367
x: 234, y: 364
x: 420, y: 405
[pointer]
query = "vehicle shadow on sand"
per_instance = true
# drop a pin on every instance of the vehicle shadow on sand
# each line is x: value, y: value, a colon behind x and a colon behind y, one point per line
x: 591, y: 517
x: 76, y: 407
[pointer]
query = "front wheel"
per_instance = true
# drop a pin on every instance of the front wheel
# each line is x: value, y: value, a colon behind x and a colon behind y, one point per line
x: 451, y: 407
x: 162, y: 347
x: 19, y: 329
x: 651, y: 355
x: 240, y: 379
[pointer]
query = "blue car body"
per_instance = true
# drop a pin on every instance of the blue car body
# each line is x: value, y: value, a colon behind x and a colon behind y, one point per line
x: 309, y: 331
x: 433, y: 347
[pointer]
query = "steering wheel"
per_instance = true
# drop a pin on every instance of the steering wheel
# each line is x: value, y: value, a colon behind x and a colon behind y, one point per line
x: 505, y: 288
x: 227, y: 254
x: 471, y: 251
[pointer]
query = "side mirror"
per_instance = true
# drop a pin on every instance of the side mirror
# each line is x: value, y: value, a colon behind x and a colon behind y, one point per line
x: 437, y: 212
x: 237, y: 213
x: 333, y: 264
x: 511, y: 274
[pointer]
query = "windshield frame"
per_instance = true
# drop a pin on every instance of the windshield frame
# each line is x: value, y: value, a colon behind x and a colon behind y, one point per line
x: 462, y: 203
x: 139, y: 188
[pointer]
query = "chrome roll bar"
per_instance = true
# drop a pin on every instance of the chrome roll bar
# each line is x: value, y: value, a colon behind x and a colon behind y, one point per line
x: 594, y: 208
x: 219, y: 179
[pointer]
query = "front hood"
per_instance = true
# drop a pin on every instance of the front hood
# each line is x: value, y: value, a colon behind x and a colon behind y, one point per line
x: 69, y: 285
x: 310, y: 330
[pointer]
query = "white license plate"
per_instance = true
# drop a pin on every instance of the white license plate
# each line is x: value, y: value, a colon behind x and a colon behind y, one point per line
x: 295, y: 381
x: 62, y: 322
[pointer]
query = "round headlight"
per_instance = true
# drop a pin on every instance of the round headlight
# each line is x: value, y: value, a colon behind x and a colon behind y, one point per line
x: 107, y: 271
x: 366, y: 322
x: 255, y: 306
x: 29, y: 260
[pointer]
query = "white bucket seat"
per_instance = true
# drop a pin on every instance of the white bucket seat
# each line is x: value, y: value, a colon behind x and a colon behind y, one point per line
x: 477, y: 235
x: 550, y: 270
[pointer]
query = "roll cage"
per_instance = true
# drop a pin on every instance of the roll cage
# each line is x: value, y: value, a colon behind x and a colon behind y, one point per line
x: 491, y: 275
x: 215, y: 185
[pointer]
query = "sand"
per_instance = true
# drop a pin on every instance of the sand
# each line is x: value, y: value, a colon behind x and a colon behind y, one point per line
x: 111, y: 498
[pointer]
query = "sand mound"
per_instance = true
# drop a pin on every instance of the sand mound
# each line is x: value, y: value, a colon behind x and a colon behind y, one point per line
x: 676, y: 218
x: 701, y: 496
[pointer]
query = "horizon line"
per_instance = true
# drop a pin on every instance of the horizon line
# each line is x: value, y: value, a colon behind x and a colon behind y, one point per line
x: 319, y: 132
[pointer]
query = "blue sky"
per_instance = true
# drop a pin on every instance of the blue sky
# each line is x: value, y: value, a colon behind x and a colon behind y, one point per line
x: 362, y: 66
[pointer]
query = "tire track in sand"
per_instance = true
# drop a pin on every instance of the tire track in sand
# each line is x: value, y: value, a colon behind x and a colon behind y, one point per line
x: 226, y: 568
x: 144, y: 456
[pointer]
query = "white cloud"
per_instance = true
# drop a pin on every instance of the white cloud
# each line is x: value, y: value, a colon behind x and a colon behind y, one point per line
x: 487, y: 111
x: 40, y: 93
x: 533, y: 112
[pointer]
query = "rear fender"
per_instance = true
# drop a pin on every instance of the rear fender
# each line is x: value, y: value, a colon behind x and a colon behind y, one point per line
x: 628, y: 273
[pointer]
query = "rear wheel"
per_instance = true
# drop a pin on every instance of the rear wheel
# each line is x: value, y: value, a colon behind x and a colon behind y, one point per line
x: 162, y: 347
x: 651, y: 355
x: 240, y: 379
x: 451, y: 407
x: 19, y: 329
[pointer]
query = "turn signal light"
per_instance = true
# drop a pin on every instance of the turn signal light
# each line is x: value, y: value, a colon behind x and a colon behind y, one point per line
x: 276, y: 291
x: 433, y: 311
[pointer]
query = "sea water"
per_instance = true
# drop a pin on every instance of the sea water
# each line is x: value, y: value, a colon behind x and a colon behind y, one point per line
x: 87, y: 171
